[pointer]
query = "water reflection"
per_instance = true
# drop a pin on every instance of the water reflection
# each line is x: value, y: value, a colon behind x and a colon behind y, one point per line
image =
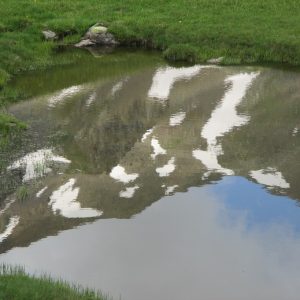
x: 147, y: 134
x: 12, y: 223
x: 129, y: 192
x: 222, y: 250
x: 177, y: 119
x: 64, y: 201
x: 64, y: 95
x: 119, y: 174
x: 36, y: 164
x: 157, y: 148
x: 167, y: 169
x: 165, y: 78
x: 105, y: 150
x: 270, y: 177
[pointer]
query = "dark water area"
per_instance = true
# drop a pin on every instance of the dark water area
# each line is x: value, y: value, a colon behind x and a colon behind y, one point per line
x: 151, y: 181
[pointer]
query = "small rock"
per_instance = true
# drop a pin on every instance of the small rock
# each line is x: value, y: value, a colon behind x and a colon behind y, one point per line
x: 49, y: 35
x: 215, y: 61
x: 84, y: 43
x: 97, y: 35
x: 97, y: 29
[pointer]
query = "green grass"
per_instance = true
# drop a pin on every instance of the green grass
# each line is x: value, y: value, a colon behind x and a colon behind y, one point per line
x: 241, y: 31
x: 15, y: 284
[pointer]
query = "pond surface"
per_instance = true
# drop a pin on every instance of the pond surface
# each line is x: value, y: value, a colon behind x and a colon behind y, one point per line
x: 150, y: 181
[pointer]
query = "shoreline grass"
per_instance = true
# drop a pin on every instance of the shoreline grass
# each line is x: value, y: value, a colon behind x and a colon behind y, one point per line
x: 241, y: 31
x: 15, y: 284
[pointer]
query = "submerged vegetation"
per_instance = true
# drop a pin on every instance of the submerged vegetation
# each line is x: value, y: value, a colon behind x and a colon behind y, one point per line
x: 9, y: 126
x: 15, y: 284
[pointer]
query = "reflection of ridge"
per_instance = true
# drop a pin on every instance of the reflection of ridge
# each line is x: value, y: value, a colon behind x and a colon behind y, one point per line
x: 223, y: 119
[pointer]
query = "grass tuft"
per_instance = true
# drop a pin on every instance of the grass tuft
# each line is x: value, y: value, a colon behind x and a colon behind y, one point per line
x: 15, y: 284
x: 181, y: 52
x: 22, y: 193
x: 4, y: 77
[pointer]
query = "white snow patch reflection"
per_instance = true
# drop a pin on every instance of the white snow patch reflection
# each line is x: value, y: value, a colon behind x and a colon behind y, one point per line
x: 91, y: 99
x: 64, y: 94
x: 118, y: 86
x: 13, y: 222
x: 167, y: 169
x: 223, y: 119
x: 64, y: 201
x: 146, y: 134
x: 209, y: 158
x: 177, y: 119
x: 118, y: 173
x: 170, y: 189
x: 8, y: 202
x: 295, y: 131
x: 41, y: 192
x: 36, y: 163
x: 129, y: 192
x: 158, y: 150
x: 270, y: 177
x: 165, y: 78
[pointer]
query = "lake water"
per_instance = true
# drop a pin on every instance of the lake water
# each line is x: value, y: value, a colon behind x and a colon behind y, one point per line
x: 150, y: 181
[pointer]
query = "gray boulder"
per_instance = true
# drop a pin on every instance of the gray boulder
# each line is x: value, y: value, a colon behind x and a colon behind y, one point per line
x: 97, y: 35
x: 215, y: 61
x: 49, y: 35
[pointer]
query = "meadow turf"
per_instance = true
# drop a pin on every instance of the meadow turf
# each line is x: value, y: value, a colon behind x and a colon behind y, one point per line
x: 15, y: 284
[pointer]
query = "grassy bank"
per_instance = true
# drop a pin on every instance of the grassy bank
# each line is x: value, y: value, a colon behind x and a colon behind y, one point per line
x: 241, y: 31
x: 16, y: 285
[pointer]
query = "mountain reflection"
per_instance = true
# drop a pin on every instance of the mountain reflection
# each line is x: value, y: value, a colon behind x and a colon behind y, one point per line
x: 123, y: 141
